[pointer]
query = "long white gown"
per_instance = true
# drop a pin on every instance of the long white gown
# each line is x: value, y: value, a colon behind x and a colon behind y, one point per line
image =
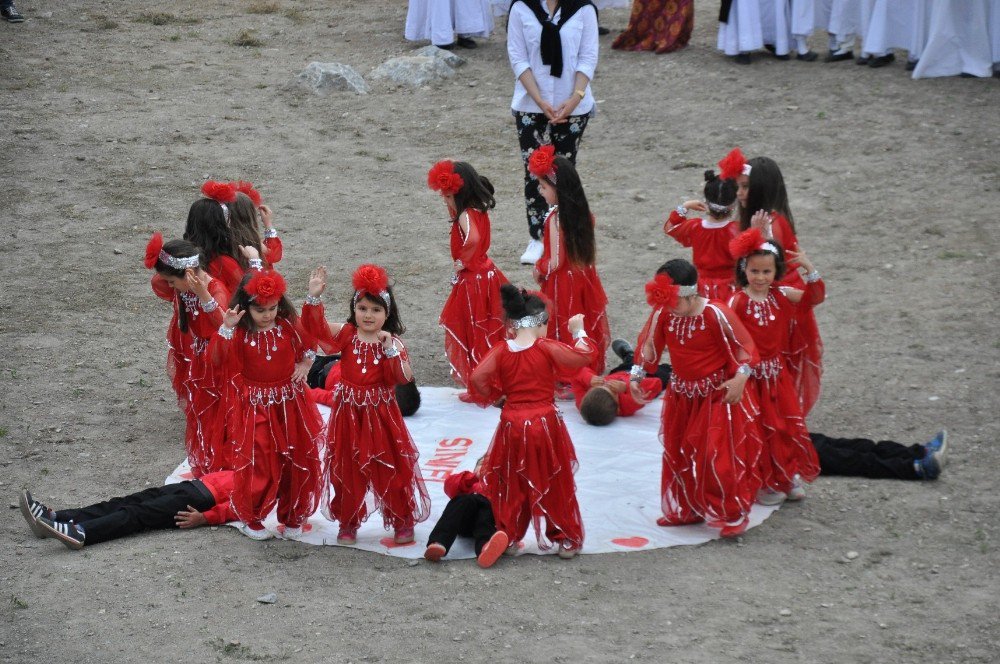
x: 958, y: 41
x: 742, y: 33
x: 440, y: 20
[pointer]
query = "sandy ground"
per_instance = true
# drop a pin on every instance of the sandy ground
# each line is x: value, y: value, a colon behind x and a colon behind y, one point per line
x: 111, y: 121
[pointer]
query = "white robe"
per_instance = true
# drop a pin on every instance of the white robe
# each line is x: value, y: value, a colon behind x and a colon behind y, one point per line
x: 440, y: 20
x: 775, y: 24
x: 995, y: 33
x: 892, y: 25
x: 958, y: 41
x: 742, y: 33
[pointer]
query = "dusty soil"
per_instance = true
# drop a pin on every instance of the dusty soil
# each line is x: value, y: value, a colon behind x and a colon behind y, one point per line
x: 112, y: 117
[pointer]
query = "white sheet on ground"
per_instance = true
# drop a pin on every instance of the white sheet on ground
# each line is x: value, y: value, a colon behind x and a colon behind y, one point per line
x: 618, y: 482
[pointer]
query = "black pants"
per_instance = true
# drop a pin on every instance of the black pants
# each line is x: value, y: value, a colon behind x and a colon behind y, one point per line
x: 861, y: 457
x: 152, y: 509
x: 468, y: 515
x: 533, y: 131
x: 662, y: 371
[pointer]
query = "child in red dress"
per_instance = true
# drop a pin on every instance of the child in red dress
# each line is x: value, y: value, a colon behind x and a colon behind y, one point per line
x: 277, y: 431
x: 788, y: 458
x: 528, y: 471
x: 195, y: 295
x: 369, y: 447
x: 472, y: 317
x: 246, y: 211
x: 709, y: 238
x: 710, y: 444
x: 763, y: 203
x: 208, y: 228
x: 566, y: 271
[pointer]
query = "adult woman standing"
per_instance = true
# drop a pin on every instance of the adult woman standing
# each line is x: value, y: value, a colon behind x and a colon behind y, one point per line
x: 552, y: 46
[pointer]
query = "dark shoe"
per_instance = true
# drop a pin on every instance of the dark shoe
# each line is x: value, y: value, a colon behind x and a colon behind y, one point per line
x: 863, y: 60
x: 32, y: 510
x: 601, y: 30
x: 769, y: 48
x: 773, y: 51
x: 911, y: 64
x: 623, y: 349
x: 929, y: 467
x: 69, y: 534
x: 465, y: 42
x: 809, y: 56
x: 834, y: 56
x: 446, y: 47
x: 882, y: 60
x: 11, y: 15
x: 938, y: 447
x: 742, y: 59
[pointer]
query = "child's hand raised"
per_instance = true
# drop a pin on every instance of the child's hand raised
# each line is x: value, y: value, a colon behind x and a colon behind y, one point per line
x: 384, y: 338
x: 265, y: 215
x: 231, y: 317
x: 317, y: 281
x: 761, y: 220
x: 575, y: 323
x: 801, y: 258
x: 250, y: 253
x: 696, y: 205
x: 198, y: 283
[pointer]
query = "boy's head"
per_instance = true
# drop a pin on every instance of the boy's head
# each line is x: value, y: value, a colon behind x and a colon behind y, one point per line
x: 599, y: 406
x: 408, y: 398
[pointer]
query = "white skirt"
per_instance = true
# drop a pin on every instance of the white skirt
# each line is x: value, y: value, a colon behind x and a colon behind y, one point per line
x: 891, y: 25
x: 440, y: 20
x: 742, y: 33
x: 775, y: 24
x: 958, y: 41
x: 803, y: 17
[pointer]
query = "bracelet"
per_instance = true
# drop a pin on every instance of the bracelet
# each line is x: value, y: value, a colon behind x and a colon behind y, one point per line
x: 744, y: 370
x: 391, y: 352
x: 812, y: 277
x: 580, y: 334
x: 637, y: 373
x: 256, y: 264
x: 310, y: 355
x: 582, y: 93
x: 226, y: 332
x: 681, y: 210
x: 314, y: 299
x: 270, y: 232
x: 209, y: 306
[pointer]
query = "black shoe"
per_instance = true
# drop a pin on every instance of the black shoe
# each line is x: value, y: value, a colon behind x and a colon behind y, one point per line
x: 465, y: 42
x: 601, y: 30
x: 446, y: 47
x: 69, y: 534
x: 863, y: 60
x: 833, y: 56
x: 32, y: 510
x: 882, y: 60
x: 809, y: 56
x: 742, y: 59
x: 623, y: 349
x: 770, y: 48
x: 11, y: 15
x: 911, y: 64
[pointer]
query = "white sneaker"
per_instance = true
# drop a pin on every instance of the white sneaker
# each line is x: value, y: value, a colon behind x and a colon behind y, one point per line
x: 532, y: 253
x: 259, y: 535
x: 770, y: 497
x: 798, y: 490
x: 291, y: 533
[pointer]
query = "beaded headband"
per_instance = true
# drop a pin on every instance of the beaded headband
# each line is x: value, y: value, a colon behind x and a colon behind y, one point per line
x: 185, y: 263
x: 687, y: 291
x: 718, y: 209
x: 533, y: 320
x: 383, y: 294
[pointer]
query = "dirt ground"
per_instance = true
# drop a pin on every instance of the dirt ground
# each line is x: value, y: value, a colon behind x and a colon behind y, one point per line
x: 111, y: 118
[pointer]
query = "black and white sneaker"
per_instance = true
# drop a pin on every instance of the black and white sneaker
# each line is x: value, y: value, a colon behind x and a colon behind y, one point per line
x: 32, y: 511
x: 11, y: 15
x: 624, y: 350
x: 68, y: 533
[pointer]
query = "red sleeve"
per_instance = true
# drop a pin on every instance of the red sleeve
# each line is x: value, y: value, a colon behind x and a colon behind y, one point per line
x: 814, y: 293
x: 579, y: 382
x: 484, y: 377
x: 220, y: 485
x: 302, y: 341
x: 320, y: 396
x: 221, y: 352
x: 274, y: 250
x: 161, y: 288
x: 315, y: 325
x: 226, y: 269
x: 552, y: 254
x: 742, y: 349
x: 207, y: 323
x: 569, y: 357
x: 220, y: 514
x: 782, y: 231
x: 458, y: 484
x: 679, y: 228
x: 394, y: 368
x: 649, y: 346
x: 470, y: 246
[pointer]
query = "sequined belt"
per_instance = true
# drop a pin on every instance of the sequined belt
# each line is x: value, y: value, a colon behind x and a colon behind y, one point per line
x: 356, y: 395
x: 701, y: 387
x: 269, y: 395
x: 767, y: 368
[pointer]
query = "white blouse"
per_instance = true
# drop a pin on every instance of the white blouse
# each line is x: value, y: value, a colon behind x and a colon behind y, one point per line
x: 579, y: 52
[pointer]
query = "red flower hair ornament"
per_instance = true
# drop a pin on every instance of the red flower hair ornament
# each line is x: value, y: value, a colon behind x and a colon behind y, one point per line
x: 220, y: 192
x: 247, y: 188
x: 542, y: 163
x: 442, y: 177
x: 153, y: 248
x: 372, y: 280
x: 748, y: 242
x: 265, y: 288
x: 662, y: 292
x: 733, y: 165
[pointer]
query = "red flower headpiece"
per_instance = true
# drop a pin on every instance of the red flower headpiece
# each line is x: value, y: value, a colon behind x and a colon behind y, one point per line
x: 442, y: 177
x: 662, y: 292
x: 265, y: 288
x: 733, y: 165
x: 247, y: 188
x: 747, y: 242
x: 220, y: 192
x: 542, y: 162
x: 373, y: 280
x: 153, y: 248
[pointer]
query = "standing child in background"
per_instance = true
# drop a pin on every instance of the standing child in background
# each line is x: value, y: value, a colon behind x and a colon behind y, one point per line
x: 472, y: 317
x: 208, y: 228
x: 787, y: 458
x: 567, y: 271
x: 181, y: 280
x: 277, y: 431
x: 368, y: 446
x: 528, y: 471
x: 709, y: 238
x: 710, y: 443
x: 763, y: 203
x: 244, y: 214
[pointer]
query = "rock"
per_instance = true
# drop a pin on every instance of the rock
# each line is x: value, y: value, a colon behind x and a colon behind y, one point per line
x: 412, y: 70
x: 785, y: 612
x: 413, y: 563
x: 119, y: 251
x: 269, y: 598
x: 651, y: 245
x: 326, y: 77
x: 453, y: 60
x: 851, y: 555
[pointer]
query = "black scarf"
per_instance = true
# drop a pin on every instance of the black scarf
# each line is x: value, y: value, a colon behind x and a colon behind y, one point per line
x: 551, y: 42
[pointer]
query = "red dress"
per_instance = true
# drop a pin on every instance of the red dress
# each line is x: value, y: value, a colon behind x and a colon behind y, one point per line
x: 195, y: 381
x: 528, y: 470
x: 368, y: 445
x: 228, y: 271
x: 710, y: 448
x: 787, y: 449
x: 274, y: 250
x: 277, y: 432
x: 709, y: 242
x: 805, y: 347
x: 572, y: 289
x: 472, y: 317
x: 662, y: 26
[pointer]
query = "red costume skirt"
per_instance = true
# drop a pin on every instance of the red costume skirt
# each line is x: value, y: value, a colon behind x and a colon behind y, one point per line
x: 279, y: 442
x: 201, y: 398
x: 805, y: 357
x: 578, y: 290
x: 657, y: 25
x: 528, y: 476
x: 370, y: 450
x: 720, y: 289
x: 473, y: 321
x: 710, y: 454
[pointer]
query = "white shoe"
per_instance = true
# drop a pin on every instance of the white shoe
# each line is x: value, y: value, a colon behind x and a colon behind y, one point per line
x: 798, y: 490
x: 532, y: 253
x: 259, y: 535
x: 770, y: 497
x: 291, y: 533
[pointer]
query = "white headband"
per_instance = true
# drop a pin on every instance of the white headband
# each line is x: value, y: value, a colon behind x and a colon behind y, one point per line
x: 746, y: 169
x: 687, y: 291
x: 384, y: 295
x: 767, y: 246
x: 531, y: 321
x: 179, y: 263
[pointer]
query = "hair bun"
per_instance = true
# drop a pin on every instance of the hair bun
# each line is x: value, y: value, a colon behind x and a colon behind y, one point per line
x: 710, y: 175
